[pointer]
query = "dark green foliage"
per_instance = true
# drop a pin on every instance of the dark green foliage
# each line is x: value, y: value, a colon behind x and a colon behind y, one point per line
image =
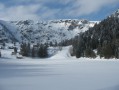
x: 99, y: 51
x: 78, y: 53
x: 25, y: 49
x: 42, y: 51
x: 3, y: 44
x: 90, y: 53
x: 103, y: 37
x: 33, y: 52
x: 115, y: 44
x: 107, y: 51
x: 99, y: 48
x: 15, y: 50
x: 36, y: 51
x: 0, y: 54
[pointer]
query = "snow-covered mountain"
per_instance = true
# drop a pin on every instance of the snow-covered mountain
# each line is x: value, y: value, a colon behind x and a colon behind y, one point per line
x: 8, y: 32
x: 116, y: 14
x: 42, y: 31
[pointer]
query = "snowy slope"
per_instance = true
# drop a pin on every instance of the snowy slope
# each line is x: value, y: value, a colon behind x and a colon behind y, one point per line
x: 50, y: 31
x: 61, y: 74
x: 10, y: 30
x: 5, y: 34
x: 62, y: 54
x: 58, y: 73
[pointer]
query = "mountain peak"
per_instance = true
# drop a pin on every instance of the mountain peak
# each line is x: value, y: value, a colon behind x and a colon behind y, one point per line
x: 116, y: 13
x: 53, y: 31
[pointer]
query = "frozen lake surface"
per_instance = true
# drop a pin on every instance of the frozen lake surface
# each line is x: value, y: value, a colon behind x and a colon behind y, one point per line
x: 59, y: 74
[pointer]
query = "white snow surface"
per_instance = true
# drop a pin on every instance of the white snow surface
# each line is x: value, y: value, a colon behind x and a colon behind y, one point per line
x: 60, y: 72
x: 12, y: 30
x: 52, y: 30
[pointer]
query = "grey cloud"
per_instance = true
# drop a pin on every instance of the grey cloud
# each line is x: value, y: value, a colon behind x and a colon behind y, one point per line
x: 85, y: 7
x: 37, y: 9
x: 19, y: 12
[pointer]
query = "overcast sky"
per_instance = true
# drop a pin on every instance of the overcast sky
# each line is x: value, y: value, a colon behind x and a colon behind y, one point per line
x: 56, y: 9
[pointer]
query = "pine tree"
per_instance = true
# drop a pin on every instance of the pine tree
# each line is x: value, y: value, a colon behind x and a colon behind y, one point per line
x: 33, y: 52
x: 78, y: 52
x: 42, y: 51
x: 24, y: 49
x: 0, y: 54
x: 99, y: 51
x: 94, y: 38
x: 28, y: 49
x: 15, y: 50
x: 90, y: 53
x: 4, y: 45
x: 107, y: 51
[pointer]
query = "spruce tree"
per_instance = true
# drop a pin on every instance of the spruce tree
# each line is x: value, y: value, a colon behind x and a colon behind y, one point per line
x: 0, y: 54
x: 107, y: 51
x: 33, y: 52
x: 90, y: 53
x: 15, y: 50
x: 78, y: 52
x: 24, y: 49
x: 42, y: 51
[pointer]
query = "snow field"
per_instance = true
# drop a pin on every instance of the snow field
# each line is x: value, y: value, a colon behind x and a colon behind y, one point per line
x: 59, y: 72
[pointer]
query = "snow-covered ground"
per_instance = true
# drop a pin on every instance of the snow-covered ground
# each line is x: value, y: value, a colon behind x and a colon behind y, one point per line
x: 59, y: 72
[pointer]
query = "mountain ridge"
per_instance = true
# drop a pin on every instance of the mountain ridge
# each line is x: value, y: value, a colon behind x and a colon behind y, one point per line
x: 47, y: 31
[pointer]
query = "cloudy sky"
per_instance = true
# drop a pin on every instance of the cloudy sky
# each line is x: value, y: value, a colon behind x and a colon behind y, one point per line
x: 56, y: 9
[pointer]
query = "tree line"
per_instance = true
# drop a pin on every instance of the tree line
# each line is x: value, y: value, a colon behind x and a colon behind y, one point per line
x: 103, y: 38
x: 39, y: 50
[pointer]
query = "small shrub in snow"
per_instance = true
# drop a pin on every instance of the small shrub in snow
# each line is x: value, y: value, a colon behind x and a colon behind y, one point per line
x: 90, y: 53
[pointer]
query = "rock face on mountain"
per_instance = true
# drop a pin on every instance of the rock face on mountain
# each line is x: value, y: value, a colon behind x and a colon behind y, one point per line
x: 42, y: 31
